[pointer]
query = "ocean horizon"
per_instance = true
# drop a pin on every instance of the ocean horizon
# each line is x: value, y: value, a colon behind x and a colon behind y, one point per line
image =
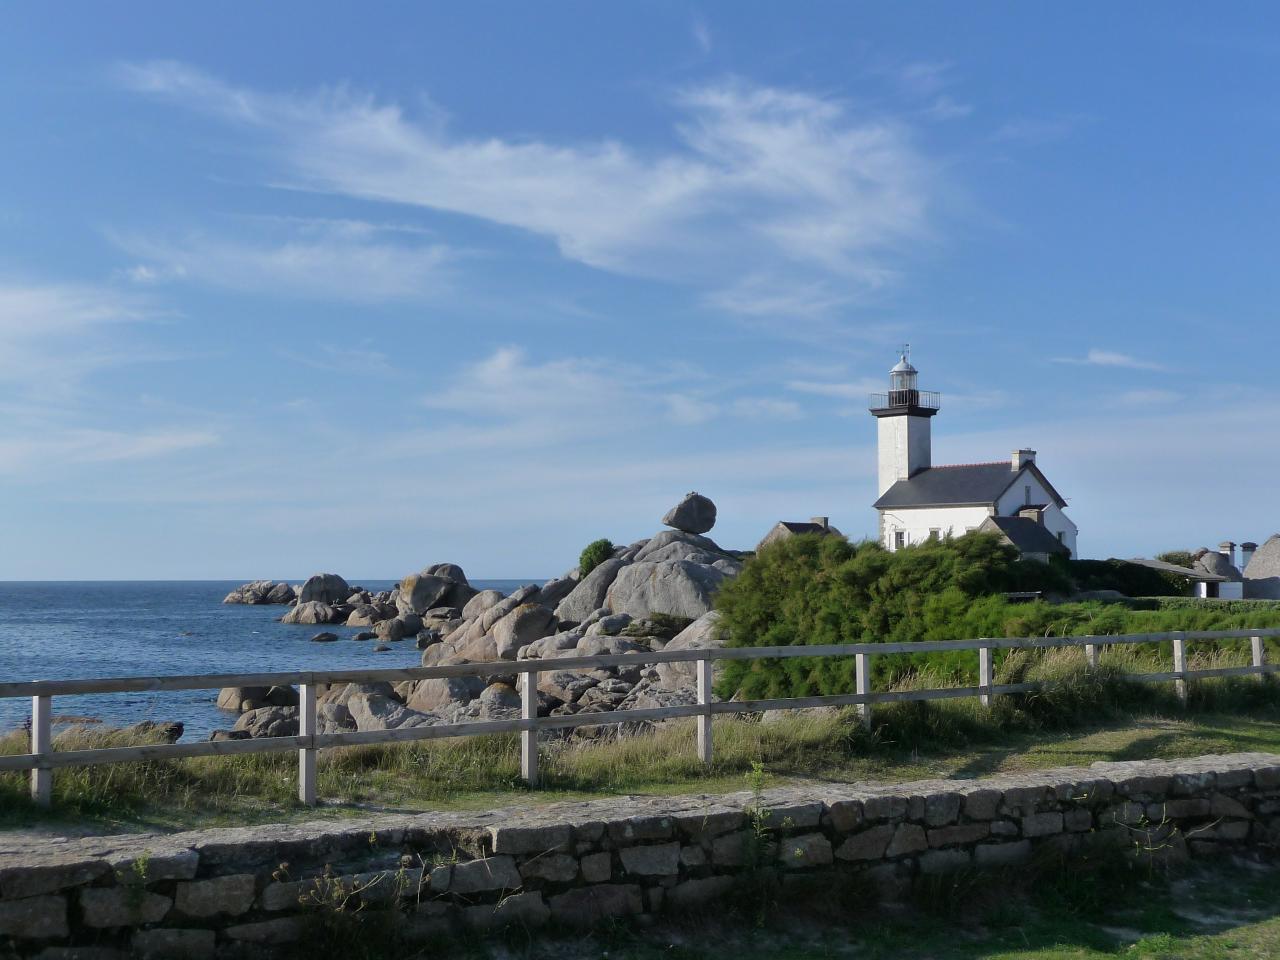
x: 79, y: 629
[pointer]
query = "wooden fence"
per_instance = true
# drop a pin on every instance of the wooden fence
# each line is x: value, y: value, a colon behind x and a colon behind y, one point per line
x: 43, y: 759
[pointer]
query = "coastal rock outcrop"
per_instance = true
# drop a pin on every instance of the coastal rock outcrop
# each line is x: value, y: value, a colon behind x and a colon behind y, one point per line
x: 678, y: 588
x: 262, y: 592
x: 590, y: 593
x: 314, y: 612
x: 324, y: 588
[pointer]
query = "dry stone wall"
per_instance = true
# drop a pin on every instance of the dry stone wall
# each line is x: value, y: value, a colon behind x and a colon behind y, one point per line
x: 252, y: 891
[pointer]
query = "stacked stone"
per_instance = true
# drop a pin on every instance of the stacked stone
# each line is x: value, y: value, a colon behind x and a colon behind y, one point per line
x: 197, y: 894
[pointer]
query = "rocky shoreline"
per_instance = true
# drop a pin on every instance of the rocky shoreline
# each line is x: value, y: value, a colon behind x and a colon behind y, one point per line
x: 653, y: 594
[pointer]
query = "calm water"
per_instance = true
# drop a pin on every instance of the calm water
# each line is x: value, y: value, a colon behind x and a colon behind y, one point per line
x: 58, y: 631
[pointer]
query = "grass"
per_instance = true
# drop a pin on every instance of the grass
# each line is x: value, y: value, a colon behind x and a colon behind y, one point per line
x: 1085, y: 716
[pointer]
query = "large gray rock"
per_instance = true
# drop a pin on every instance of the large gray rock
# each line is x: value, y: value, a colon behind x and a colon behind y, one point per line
x: 326, y: 588
x: 678, y: 588
x: 441, y: 695
x: 589, y: 595
x: 449, y: 571
x: 481, y: 602
x: 269, y: 722
x: 341, y: 693
x: 520, y: 627
x: 313, y: 612
x: 365, y: 615
x: 397, y: 628
x: 419, y: 592
x: 678, y: 545
x: 694, y: 514
x: 553, y: 591
x: 705, y: 633
x: 374, y: 712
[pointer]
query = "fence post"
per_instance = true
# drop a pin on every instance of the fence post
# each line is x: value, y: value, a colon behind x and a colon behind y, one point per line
x: 1259, y: 656
x: 1091, y: 655
x: 862, y: 685
x: 1180, y: 666
x: 529, y: 736
x: 984, y: 675
x: 704, y: 718
x: 41, y: 745
x: 307, y: 754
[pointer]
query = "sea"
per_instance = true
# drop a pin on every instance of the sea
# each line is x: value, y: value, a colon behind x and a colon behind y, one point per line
x: 80, y: 630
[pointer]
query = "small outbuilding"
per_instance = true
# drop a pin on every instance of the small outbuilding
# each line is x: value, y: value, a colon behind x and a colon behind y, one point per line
x: 1027, y: 534
x: 1221, y: 564
x: 786, y: 529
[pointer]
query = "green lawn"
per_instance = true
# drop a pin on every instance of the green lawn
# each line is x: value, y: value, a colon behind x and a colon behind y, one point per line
x: 482, y: 773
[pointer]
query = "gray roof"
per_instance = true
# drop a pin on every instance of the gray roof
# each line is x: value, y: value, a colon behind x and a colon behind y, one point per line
x: 1215, y: 562
x: 1197, y: 573
x: 971, y: 484
x: 1026, y: 534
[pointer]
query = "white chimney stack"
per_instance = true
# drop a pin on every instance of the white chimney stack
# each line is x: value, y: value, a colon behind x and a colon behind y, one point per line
x: 823, y: 522
x: 1021, y: 458
x: 1228, y: 549
x: 1246, y: 553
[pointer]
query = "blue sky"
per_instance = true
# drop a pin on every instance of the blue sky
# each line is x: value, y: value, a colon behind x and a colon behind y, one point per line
x: 294, y: 287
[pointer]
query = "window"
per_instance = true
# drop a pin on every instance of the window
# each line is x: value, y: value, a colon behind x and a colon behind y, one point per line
x: 935, y: 533
x: 1027, y: 490
x: 1062, y: 536
x: 899, y: 539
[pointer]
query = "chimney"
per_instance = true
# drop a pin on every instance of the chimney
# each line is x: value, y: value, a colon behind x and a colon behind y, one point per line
x: 1228, y: 549
x: 1021, y: 458
x: 1246, y: 553
x: 1032, y: 513
x: 823, y: 522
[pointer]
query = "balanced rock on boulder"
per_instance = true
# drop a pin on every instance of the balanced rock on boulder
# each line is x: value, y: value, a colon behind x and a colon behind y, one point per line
x: 694, y: 514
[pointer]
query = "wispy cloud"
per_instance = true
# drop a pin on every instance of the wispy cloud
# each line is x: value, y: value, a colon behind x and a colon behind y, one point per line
x: 79, y: 446
x: 53, y: 335
x: 701, y: 34
x: 330, y: 260
x: 1110, y: 358
x: 855, y: 390
x: 1031, y: 130
x: 764, y: 181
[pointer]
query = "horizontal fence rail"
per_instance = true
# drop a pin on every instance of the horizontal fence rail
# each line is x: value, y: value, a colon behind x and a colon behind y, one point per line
x: 43, y: 759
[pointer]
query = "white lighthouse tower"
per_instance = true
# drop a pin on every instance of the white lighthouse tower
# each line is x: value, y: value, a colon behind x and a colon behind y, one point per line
x: 903, y: 416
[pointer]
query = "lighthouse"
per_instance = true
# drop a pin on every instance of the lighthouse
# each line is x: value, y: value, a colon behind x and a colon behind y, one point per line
x: 903, y: 416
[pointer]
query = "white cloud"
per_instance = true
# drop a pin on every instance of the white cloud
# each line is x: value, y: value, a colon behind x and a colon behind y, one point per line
x: 767, y: 408
x: 688, y: 410
x: 856, y: 390
x: 79, y: 446
x: 762, y: 181
x: 329, y: 260
x: 52, y: 336
x: 1109, y: 358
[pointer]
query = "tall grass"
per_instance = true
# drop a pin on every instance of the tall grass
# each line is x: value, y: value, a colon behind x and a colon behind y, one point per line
x: 827, y: 744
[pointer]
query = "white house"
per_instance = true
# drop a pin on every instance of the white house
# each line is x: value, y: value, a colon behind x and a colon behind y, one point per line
x: 919, y: 500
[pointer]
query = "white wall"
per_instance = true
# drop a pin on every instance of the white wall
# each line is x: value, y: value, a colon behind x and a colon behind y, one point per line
x: 956, y: 521
x: 1055, y: 521
x: 904, y: 447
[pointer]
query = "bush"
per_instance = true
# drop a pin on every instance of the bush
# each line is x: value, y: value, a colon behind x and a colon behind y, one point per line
x: 593, y: 554
x: 1131, y: 579
x: 824, y: 590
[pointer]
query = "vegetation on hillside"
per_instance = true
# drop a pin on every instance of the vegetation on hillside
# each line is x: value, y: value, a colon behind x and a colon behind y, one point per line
x: 593, y: 554
x: 825, y: 590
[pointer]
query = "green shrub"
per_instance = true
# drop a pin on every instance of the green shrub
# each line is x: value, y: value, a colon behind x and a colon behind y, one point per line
x: 1131, y: 579
x: 593, y: 554
x: 824, y: 590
